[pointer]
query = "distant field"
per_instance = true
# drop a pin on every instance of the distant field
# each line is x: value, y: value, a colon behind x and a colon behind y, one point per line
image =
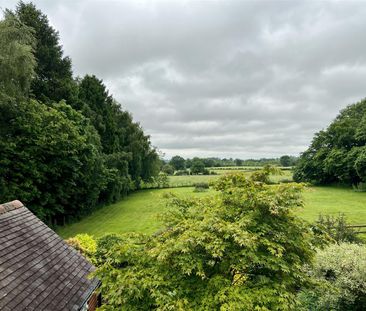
x: 138, y: 212
x: 181, y: 181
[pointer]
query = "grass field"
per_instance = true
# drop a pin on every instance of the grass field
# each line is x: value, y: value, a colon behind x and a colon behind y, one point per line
x: 138, y: 212
x: 333, y: 201
x: 179, y: 181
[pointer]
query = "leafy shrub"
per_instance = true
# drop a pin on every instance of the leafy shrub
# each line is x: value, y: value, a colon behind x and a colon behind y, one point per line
x: 242, y: 249
x: 201, y: 187
x: 337, y: 228
x: 85, y: 244
x: 339, y: 273
x: 105, y: 245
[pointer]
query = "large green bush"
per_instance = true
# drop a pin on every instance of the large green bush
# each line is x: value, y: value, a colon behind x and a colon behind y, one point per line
x: 243, y: 249
x: 339, y: 274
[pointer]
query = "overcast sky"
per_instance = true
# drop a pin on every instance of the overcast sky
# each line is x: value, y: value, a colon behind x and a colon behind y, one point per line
x: 220, y: 78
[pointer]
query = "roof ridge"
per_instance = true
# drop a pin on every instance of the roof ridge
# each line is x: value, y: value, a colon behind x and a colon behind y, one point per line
x: 7, y: 207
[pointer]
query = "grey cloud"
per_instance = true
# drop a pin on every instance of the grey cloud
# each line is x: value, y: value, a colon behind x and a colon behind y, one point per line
x: 221, y: 78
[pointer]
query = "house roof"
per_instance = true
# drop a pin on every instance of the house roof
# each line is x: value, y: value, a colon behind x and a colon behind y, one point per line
x: 38, y: 270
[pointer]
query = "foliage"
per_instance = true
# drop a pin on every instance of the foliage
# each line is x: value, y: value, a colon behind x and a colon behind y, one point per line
x: 337, y: 154
x: 168, y: 169
x: 340, y: 272
x: 197, y: 167
x: 85, y: 244
x: 200, y: 187
x: 217, y: 162
x: 51, y: 158
x: 240, y: 250
x: 264, y: 174
x: 181, y: 173
x: 287, y: 160
x: 162, y: 180
x: 103, y: 246
x: 17, y: 61
x: 53, y: 79
x: 119, y: 134
x: 178, y: 163
x: 61, y: 159
x: 337, y: 228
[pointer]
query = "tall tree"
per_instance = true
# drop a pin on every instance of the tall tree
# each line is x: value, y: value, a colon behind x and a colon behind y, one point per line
x: 17, y: 61
x: 117, y: 130
x: 178, y: 163
x: 337, y: 154
x: 51, y: 159
x: 53, y: 80
x: 285, y: 160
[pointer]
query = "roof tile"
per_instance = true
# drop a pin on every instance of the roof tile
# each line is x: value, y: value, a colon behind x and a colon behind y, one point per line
x: 38, y: 270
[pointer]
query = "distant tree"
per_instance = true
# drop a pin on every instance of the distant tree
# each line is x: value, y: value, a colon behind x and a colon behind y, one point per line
x: 178, y: 163
x: 285, y: 160
x: 53, y: 79
x: 226, y: 252
x: 168, y: 169
x: 208, y: 162
x: 197, y: 167
x: 238, y: 162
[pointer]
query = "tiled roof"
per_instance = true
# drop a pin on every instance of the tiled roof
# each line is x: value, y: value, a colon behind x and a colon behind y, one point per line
x: 38, y: 270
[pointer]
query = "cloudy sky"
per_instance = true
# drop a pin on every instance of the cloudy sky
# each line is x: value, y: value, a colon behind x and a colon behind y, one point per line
x: 220, y: 78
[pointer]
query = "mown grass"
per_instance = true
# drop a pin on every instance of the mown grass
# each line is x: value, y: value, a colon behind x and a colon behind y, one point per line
x: 136, y: 213
x: 334, y: 201
x: 139, y: 211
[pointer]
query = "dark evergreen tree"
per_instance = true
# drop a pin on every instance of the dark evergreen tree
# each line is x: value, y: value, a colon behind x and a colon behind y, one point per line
x: 53, y: 80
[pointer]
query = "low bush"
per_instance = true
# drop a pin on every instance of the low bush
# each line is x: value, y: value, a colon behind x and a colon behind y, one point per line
x: 201, y: 187
x: 337, y: 228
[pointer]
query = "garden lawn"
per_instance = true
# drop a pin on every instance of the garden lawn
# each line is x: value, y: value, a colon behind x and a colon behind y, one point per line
x: 334, y: 201
x: 138, y: 212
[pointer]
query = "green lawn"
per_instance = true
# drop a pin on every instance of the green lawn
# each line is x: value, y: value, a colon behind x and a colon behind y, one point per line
x: 333, y: 201
x: 138, y: 212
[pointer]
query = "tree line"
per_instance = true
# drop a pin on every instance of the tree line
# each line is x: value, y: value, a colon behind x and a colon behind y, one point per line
x: 67, y: 145
x: 199, y: 165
